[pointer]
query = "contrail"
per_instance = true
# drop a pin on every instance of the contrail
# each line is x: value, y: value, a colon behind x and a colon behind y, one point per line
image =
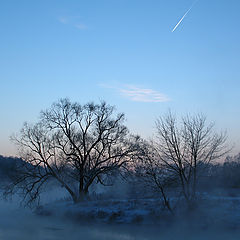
x: 184, y: 16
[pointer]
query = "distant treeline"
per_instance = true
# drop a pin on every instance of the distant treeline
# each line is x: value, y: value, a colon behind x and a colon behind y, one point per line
x: 222, y: 175
x: 8, y: 166
x: 226, y: 175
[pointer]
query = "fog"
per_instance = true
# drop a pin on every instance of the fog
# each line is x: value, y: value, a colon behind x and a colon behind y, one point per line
x: 18, y: 222
x: 114, y: 214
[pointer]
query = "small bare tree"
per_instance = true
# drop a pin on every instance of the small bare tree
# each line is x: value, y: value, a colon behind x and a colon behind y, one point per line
x: 186, y: 147
x: 153, y: 173
x: 75, y: 145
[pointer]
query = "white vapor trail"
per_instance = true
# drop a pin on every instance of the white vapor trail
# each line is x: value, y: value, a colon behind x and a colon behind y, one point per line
x: 184, y: 16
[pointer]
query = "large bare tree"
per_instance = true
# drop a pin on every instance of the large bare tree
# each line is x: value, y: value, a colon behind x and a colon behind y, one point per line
x: 74, y: 144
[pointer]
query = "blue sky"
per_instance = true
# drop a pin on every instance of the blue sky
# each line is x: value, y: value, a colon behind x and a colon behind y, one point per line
x: 124, y: 52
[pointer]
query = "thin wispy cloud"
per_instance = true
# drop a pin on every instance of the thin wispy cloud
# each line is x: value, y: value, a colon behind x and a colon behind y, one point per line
x: 73, y: 21
x: 63, y: 20
x: 81, y: 26
x: 138, y: 94
x: 143, y: 94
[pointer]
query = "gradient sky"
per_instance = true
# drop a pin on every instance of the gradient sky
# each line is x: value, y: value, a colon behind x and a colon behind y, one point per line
x: 121, y: 51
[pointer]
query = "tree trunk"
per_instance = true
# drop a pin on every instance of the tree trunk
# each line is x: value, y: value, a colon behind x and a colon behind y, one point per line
x: 166, y: 201
x: 83, y: 195
x: 73, y: 195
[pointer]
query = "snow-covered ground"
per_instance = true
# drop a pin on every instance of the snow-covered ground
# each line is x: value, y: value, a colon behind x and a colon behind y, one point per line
x: 218, y: 217
x: 212, y: 211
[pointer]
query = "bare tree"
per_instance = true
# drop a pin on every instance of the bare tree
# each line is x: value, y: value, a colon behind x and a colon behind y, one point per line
x: 187, y: 146
x: 153, y: 173
x: 75, y: 145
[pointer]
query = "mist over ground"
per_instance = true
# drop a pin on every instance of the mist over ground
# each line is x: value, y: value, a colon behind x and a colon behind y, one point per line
x: 118, y: 212
x: 23, y: 223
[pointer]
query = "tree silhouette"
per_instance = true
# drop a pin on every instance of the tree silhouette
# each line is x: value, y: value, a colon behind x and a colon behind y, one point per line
x: 74, y: 144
